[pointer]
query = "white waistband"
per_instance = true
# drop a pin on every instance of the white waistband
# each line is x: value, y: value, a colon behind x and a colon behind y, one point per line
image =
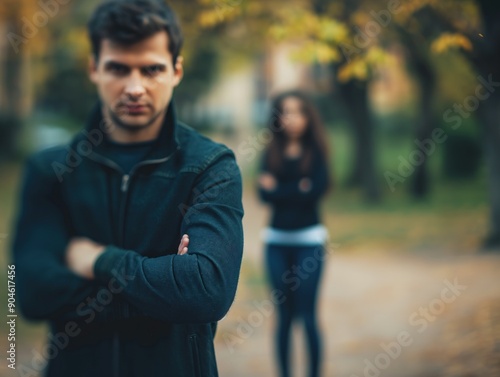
x: 311, y: 235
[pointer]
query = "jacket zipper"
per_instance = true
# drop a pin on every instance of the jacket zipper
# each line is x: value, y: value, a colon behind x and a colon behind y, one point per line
x: 125, y: 182
x: 195, y: 354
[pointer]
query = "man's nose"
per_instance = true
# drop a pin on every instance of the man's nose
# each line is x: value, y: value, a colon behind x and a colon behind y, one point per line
x: 135, y: 87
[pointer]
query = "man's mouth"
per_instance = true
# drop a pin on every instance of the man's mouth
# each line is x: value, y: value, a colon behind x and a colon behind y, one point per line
x: 134, y: 109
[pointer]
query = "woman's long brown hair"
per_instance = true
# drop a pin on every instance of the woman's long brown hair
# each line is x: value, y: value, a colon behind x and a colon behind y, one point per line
x: 313, y: 138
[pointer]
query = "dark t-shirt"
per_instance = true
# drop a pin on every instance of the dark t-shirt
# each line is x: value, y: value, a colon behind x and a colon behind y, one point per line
x: 126, y: 155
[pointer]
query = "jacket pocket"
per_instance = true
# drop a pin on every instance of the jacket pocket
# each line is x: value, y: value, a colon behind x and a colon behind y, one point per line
x: 195, y: 355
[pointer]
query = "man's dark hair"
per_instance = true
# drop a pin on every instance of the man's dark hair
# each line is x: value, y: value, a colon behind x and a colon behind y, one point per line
x: 130, y: 21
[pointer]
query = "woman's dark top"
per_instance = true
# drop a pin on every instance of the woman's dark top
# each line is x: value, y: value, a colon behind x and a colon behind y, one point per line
x: 293, y: 208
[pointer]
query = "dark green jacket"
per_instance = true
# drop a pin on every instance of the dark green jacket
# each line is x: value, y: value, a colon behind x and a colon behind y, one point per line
x: 149, y: 312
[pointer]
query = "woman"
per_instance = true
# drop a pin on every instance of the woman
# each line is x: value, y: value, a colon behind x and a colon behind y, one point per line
x: 294, y: 177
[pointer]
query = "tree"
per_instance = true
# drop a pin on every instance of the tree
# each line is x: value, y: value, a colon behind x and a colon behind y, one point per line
x: 12, y: 63
x: 486, y: 58
x: 472, y: 27
x: 321, y: 31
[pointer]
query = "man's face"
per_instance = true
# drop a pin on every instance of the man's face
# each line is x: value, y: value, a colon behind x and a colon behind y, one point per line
x: 135, y: 82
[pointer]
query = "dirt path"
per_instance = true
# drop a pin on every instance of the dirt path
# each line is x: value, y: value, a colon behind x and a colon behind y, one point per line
x: 381, y: 315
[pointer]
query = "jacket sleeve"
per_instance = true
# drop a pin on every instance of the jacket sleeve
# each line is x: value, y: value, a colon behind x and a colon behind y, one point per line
x: 45, y: 286
x: 200, y: 286
x: 289, y: 191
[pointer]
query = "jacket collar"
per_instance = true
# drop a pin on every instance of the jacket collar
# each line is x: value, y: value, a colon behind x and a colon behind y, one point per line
x: 97, y: 133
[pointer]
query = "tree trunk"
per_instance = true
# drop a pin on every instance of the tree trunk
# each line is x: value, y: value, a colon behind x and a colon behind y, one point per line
x: 16, y: 97
x: 425, y: 124
x: 355, y: 96
x: 420, y: 66
x: 489, y: 114
x: 486, y: 58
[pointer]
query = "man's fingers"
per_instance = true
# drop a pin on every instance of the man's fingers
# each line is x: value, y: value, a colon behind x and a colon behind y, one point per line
x: 181, y: 244
x: 182, y: 249
x: 185, y: 249
x: 185, y: 241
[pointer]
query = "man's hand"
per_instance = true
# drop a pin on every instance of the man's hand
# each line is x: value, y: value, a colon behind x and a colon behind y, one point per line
x: 182, y: 249
x: 81, y: 254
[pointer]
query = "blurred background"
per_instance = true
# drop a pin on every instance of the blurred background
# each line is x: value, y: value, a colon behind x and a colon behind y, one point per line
x: 409, y: 92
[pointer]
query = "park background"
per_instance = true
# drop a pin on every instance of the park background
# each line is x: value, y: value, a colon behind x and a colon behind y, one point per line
x: 414, y: 130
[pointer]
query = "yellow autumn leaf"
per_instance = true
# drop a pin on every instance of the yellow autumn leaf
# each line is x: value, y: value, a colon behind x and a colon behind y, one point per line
x: 355, y: 69
x: 376, y: 55
x: 209, y: 18
x: 408, y: 8
x: 278, y: 32
x: 305, y: 24
x: 332, y: 31
x: 448, y: 41
x: 314, y: 51
x: 325, y: 53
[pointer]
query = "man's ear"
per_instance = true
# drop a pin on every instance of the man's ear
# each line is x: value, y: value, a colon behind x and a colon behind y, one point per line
x: 92, y: 69
x: 178, y: 70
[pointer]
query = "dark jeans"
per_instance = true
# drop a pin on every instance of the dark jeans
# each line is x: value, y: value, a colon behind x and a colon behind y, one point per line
x: 295, y: 271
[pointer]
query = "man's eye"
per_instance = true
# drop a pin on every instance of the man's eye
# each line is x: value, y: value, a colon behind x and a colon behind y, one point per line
x: 118, y: 70
x: 152, y: 71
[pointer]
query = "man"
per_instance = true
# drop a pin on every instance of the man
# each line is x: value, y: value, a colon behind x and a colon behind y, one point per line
x: 129, y: 240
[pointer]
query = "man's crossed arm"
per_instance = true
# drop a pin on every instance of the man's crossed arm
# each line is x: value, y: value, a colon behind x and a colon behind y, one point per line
x: 82, y: 253
x: 199, y: 286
